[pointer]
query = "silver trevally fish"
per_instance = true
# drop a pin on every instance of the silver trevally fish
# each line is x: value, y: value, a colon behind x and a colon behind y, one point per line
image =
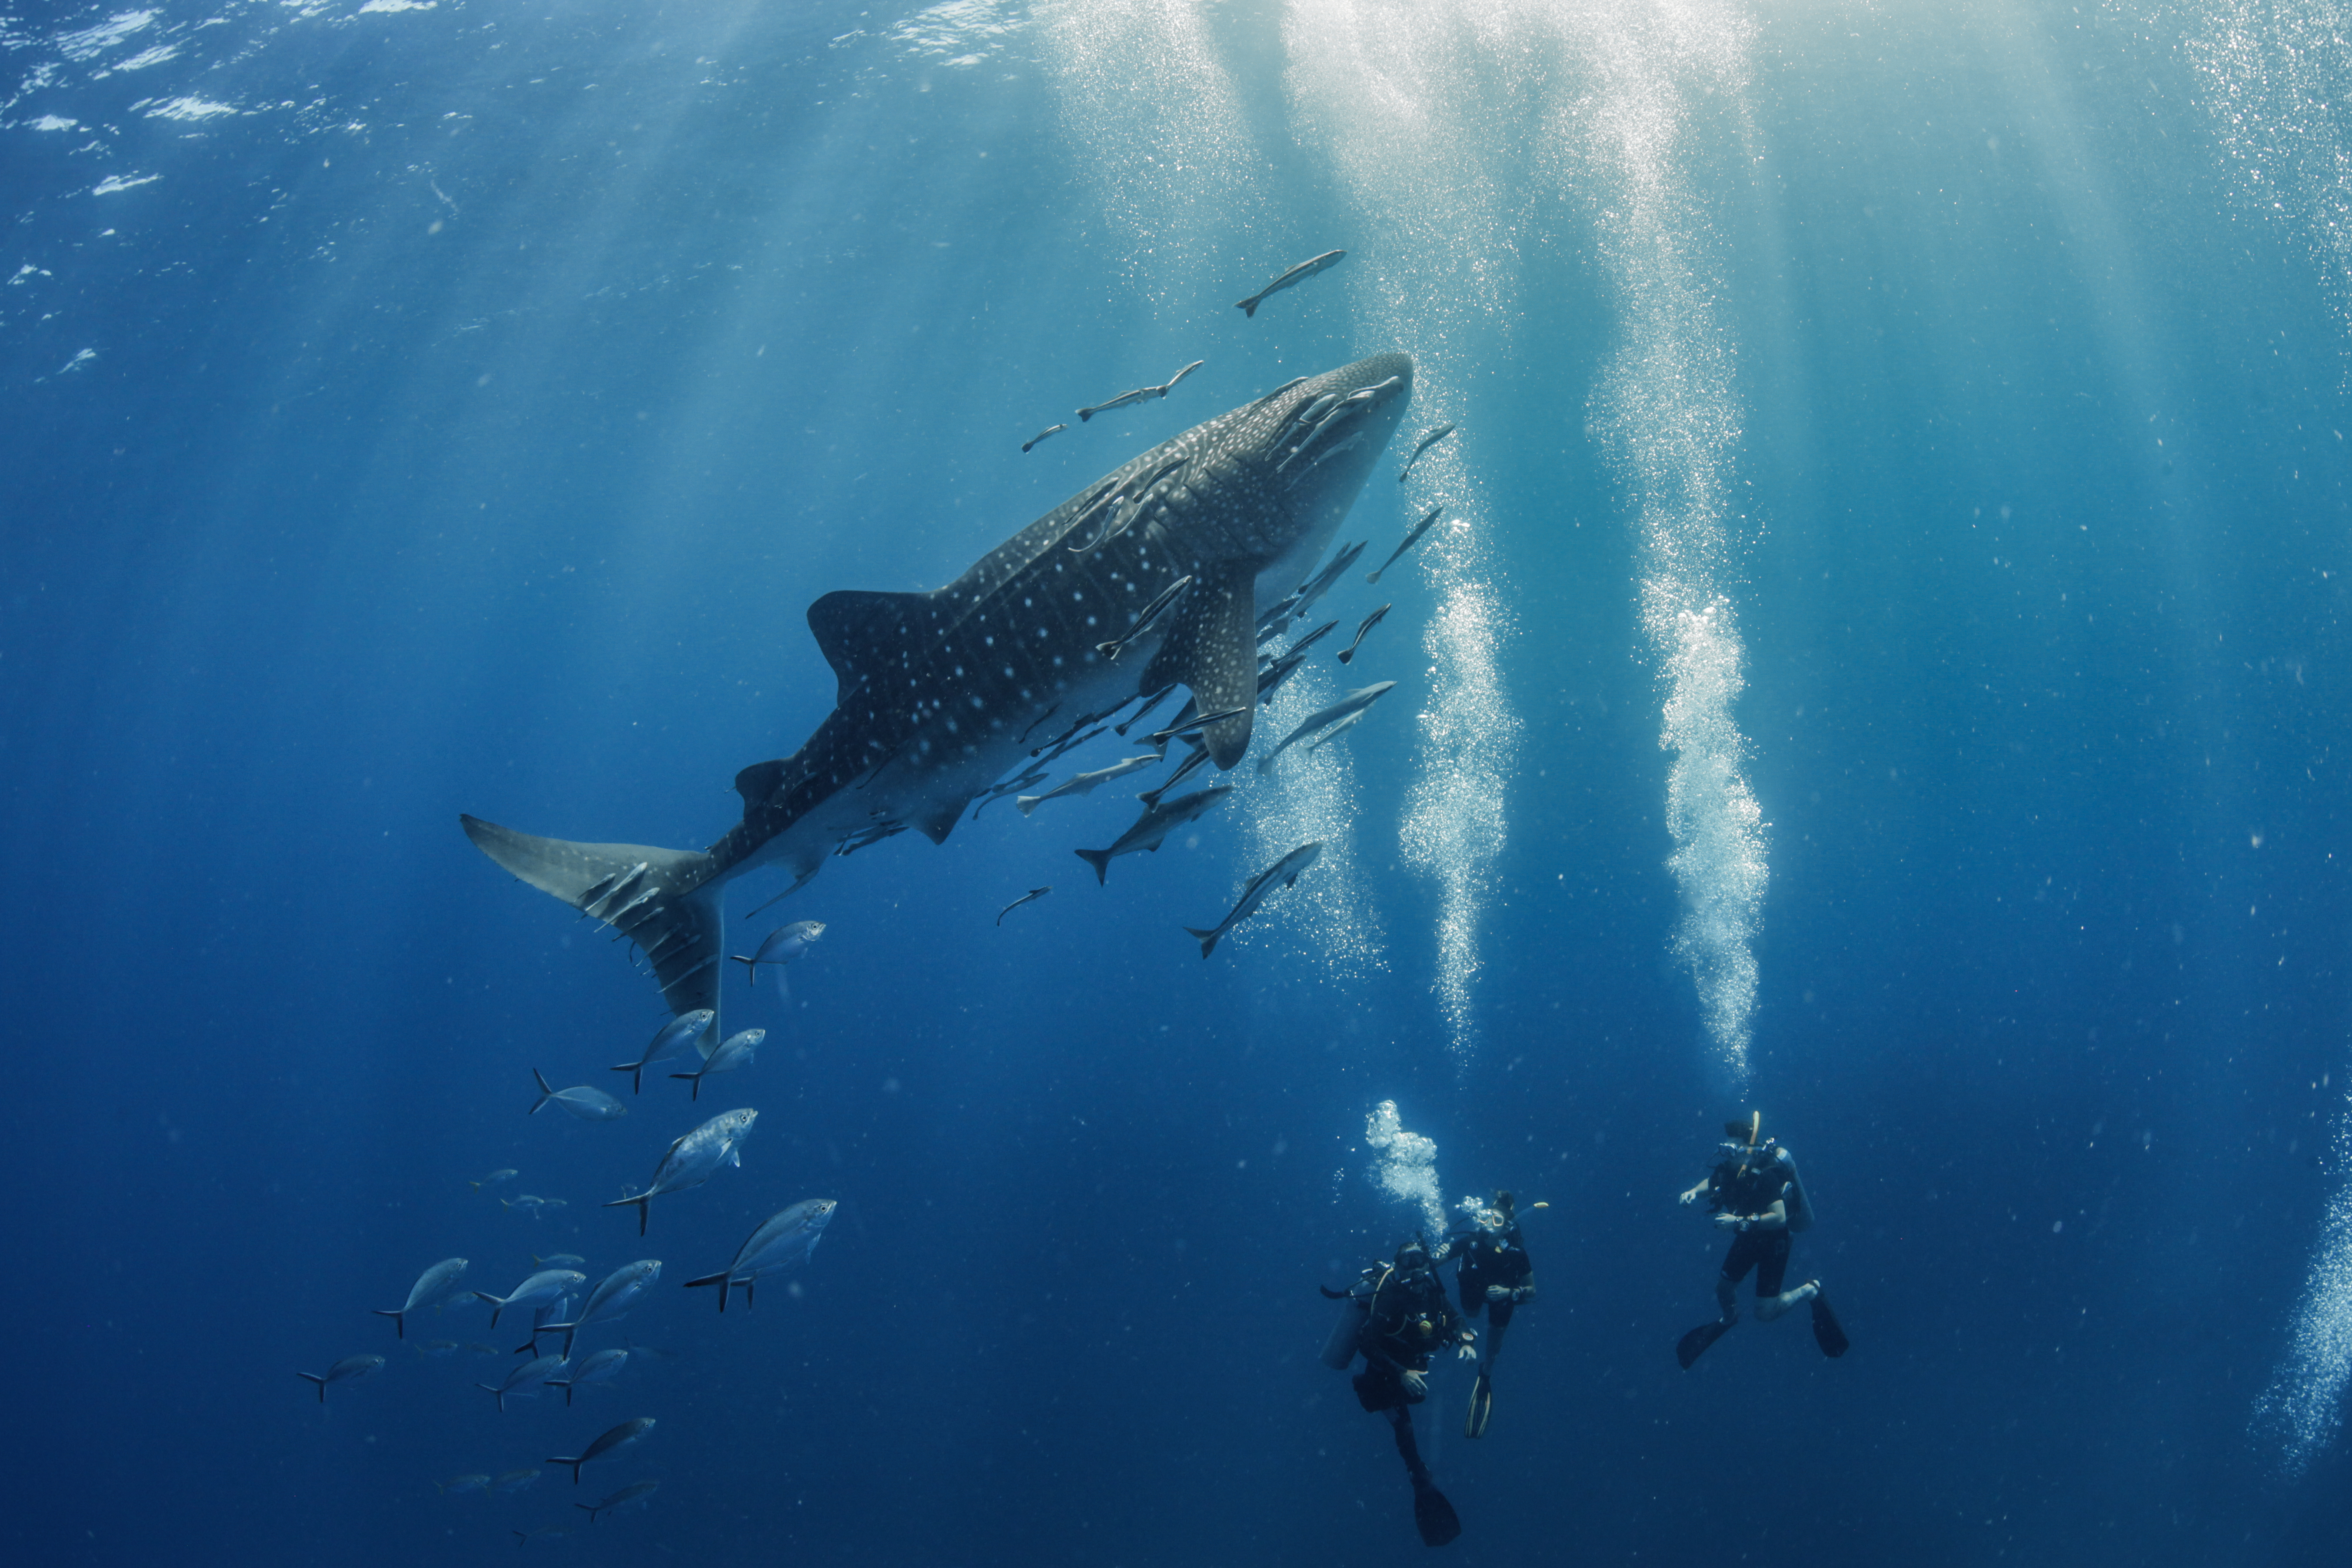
x: 1282, y: 873
x: 538, y: 1290
x: 783, y: 945
x: 431, y: 1286
x: 559, y: 1260
x: 611, y: 1441
x: 437, y: 1348
x: 614, y: 1296
x: 523, y: 1381
x: 1356, y: 702
x: 668, y: 1041
x: 516, y: 1481
x: 351, y: 1369
x: 735, y: 1053
x: 636, y: 1492
x: 783, y: 1238
x: 586, y: 1103
x: 692, y: 1160
x: 494, y: 1178
x: 601, y: 1367
x: 531, y: 1203
x: 1154, y: 826
x: 458, y: 1486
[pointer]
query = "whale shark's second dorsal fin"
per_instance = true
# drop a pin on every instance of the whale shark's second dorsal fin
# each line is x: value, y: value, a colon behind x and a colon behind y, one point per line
x: 859, y: 631
x: 1212, y: 647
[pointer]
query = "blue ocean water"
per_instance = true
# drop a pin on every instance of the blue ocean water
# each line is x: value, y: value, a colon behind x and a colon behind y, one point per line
x: 1882, y: 664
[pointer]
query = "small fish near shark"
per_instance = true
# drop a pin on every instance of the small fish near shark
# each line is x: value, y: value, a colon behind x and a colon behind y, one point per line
x: 1281, y: 874
x: 1291, y: 278
x: 939, y: 690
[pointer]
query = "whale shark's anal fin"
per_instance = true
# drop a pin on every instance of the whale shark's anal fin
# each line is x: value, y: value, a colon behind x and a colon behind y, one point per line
x: 1213, y: 648
x: 662, y: 900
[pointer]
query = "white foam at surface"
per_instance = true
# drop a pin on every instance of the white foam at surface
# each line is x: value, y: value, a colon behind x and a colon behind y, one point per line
x: 113, y: 183
x: 146, y: 58
x: 51, y: 122
x: 1407, y: 1167
x: 183, y: 108
x: 959, y: 34
x: 86, y: 43
x: 397, y: 5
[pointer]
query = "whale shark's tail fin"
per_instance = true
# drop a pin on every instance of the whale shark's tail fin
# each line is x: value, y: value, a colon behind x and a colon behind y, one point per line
x: 662, y: 900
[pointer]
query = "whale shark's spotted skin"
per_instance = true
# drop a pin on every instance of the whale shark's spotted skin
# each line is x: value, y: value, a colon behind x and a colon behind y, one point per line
x: 942, y: 692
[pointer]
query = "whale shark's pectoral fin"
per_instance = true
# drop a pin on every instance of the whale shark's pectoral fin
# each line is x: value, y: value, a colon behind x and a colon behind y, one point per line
x: 1213, y: 648
x: 862, y: 632
x: 662, y: 900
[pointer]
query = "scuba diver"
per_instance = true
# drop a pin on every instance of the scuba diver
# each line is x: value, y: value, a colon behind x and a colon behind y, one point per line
x: 1497, y: 1276
x: 1397, y: 1318
x: 1756, y: 1192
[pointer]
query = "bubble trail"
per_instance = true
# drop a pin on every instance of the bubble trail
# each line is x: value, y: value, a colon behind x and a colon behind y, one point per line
x: 1407, y: 1167
x: 2302, y: 1409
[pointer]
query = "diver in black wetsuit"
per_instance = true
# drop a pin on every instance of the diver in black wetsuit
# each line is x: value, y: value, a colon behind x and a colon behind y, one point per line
x: 1405, y: 1320
x: 1497, y: 1276
x: 1755, y: 1191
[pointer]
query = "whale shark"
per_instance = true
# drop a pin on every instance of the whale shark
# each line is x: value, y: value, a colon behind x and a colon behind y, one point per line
x: 942, y: 692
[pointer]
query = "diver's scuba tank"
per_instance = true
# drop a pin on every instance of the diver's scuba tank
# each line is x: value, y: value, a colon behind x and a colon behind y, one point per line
x: 1800, y: 1206
x: 1355, y: 1310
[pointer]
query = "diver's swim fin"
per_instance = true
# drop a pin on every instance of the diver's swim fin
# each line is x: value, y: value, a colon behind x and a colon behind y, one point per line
x: 1694, y: 1344
x: 1482, y: 1407
x: 1432, y: 1515
x: 1827, y: 1333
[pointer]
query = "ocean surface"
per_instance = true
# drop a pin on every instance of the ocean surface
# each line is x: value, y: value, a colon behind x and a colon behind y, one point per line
x: 1883, y: 663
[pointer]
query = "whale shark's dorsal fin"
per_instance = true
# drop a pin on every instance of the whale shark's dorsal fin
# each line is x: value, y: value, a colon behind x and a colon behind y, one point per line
x: 757, y: 784
x: 1213, y: 648
x: 859, y: 631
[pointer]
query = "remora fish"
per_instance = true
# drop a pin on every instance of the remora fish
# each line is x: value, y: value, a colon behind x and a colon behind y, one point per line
x: 735, y: 1053
x: 614, y: 1296
x: 1184, y: 770
x: 1085, y: 784
x: 609, y: 1442
x: 636, y: 1492
x: 586, y: 1103
x: 1139, y: 394
x: 1335, y: 731
x: 937, y: 688
x: 1410, y: 540
x: 351, y: 1369
x: 1048, y: 430
x: 1297, y: 274
x: 1031, y: 897
x: 1431, y: 439
x: 692, y: 1160
x: 670, y: 1039
x: 783, y: 1238
x: 542, y: 1289
x: 601, y: 1367
x: 1349, y: 653
x: 1282, y: 873
x: 783, y: 945
x: 1144, y: 619
x: 1294, y: 604
x: 1155, y: 824
x: 523, y: 1380
x: 1356, y: 702
x: 431, y: 1286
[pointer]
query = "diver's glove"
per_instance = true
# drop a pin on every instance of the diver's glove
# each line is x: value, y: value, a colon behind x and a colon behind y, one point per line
x: 1416, y: 1385
x: 1523, y: 1293
x: 1690, y: 1197
x: 1730, y: 1222
x: 1499, y: 1293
